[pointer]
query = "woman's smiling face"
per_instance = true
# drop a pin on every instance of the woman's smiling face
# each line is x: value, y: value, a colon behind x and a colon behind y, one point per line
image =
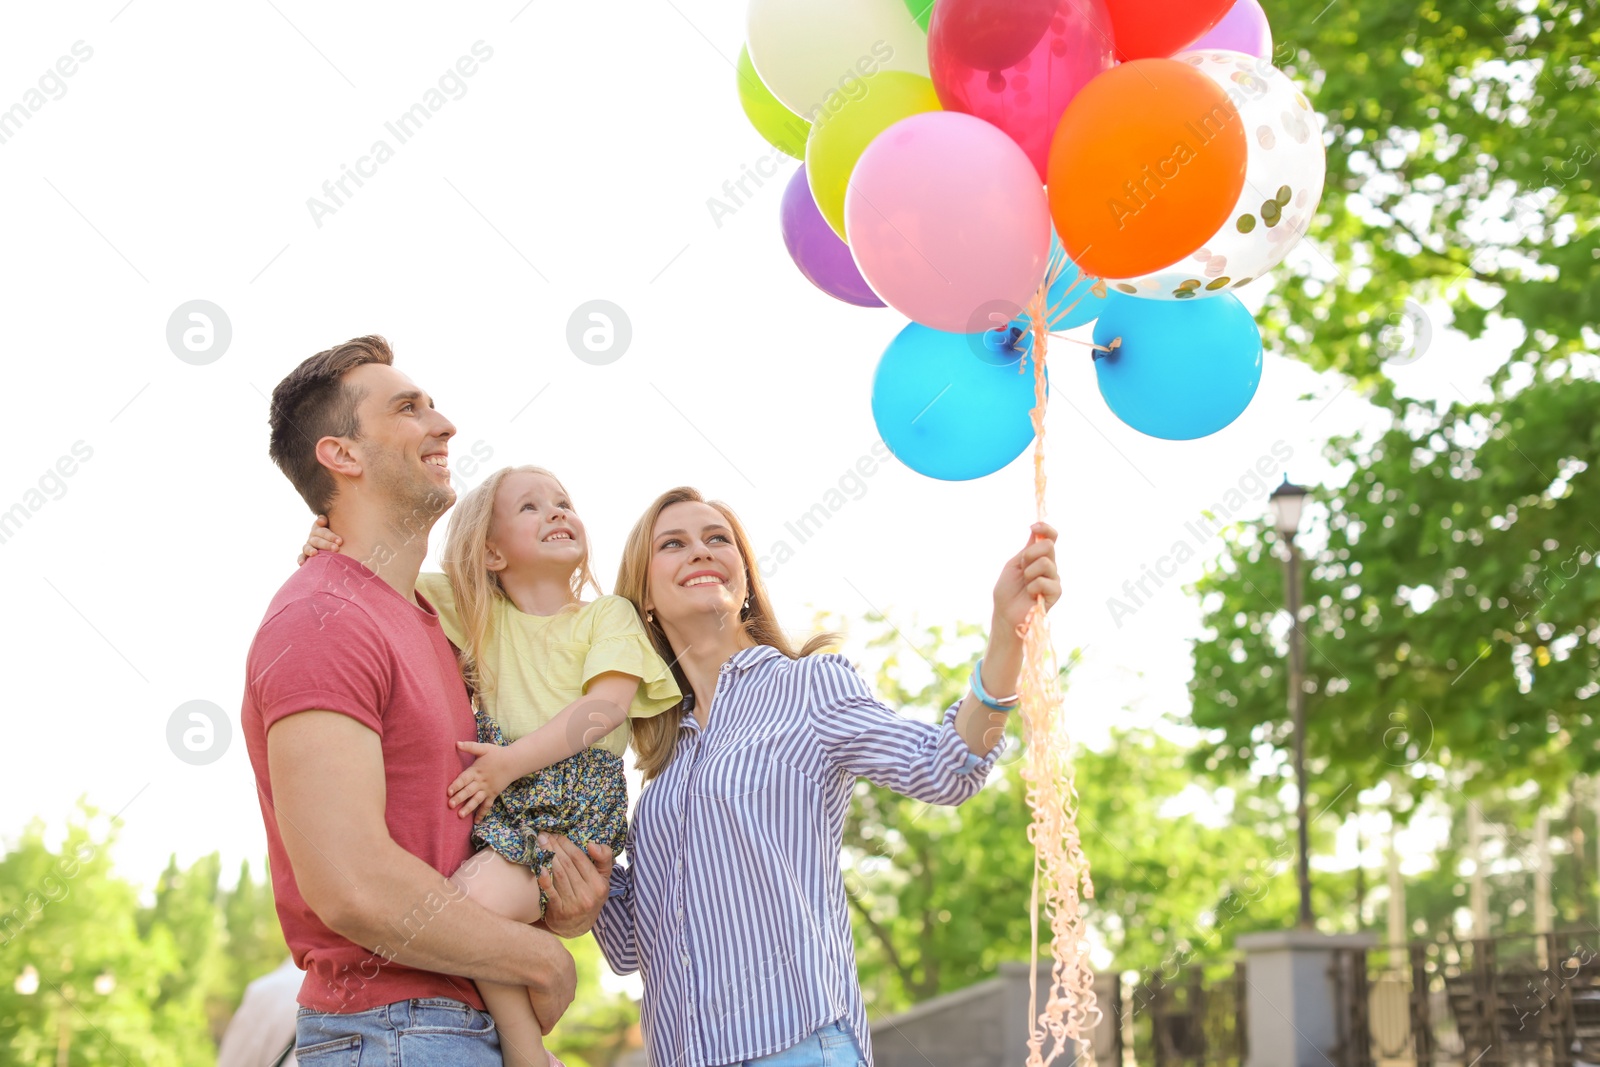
x: 695, y: 565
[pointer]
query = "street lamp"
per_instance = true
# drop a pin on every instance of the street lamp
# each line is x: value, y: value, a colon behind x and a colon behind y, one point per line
x: 1286, y: 505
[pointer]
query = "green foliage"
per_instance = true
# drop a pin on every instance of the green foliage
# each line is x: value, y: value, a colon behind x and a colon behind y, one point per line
x: 599, y: 1026
x: 940, y: 896
x: 85, y: 968
x: 1462, y: 168
x: 1451, y: 620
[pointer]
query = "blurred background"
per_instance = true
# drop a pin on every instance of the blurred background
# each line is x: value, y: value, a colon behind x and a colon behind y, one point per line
x: 1430, y: 382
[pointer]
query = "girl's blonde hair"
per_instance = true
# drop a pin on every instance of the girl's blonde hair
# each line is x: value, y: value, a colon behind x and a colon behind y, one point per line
x: 655, y: 738
x: 476, y: 587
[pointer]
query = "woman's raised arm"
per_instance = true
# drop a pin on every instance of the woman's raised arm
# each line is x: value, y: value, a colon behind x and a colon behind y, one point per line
x: 1028, y: 575
x: 947, y: 763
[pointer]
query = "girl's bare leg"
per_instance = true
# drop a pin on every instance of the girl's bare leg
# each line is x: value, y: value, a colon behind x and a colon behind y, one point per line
x: 508, y: 889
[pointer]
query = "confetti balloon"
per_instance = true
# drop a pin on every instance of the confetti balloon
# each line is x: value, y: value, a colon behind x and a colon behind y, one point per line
x: 1284, y: 171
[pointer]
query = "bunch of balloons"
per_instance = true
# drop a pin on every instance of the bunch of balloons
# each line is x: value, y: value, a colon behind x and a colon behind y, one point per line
x: 1135, y: 161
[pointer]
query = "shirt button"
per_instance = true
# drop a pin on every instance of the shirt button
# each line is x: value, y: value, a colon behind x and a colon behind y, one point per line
x: 685, y: 960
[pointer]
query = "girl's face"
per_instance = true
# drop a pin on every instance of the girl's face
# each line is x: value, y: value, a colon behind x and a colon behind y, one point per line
x: 695, y: 566
x: 534, y: 527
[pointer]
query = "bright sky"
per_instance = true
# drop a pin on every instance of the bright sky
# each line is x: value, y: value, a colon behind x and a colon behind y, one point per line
x: 177, y: 165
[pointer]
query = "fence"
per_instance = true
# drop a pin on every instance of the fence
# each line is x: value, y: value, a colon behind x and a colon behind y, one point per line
x: 1515, y: 1001
x: 1197, y: 1020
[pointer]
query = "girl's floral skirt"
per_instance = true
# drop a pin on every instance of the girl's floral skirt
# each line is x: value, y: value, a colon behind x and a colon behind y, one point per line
x: 584, y: 797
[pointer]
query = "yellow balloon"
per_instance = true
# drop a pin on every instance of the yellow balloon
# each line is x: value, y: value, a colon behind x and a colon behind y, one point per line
x: 783, y: 129
x: 848, y: 121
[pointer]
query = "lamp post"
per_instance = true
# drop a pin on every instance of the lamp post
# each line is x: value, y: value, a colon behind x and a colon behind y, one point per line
x: 1286, y: 505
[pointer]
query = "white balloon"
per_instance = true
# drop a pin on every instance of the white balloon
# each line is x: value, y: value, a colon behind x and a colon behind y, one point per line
x: 808, y: 50
x: 1284, y: 172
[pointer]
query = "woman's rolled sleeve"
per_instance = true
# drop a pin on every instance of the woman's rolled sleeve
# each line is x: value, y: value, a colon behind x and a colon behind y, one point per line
x: 866, y: 738
x: 614, y: 929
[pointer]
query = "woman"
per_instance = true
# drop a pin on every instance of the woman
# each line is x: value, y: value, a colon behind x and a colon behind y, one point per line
x: 732, y: 905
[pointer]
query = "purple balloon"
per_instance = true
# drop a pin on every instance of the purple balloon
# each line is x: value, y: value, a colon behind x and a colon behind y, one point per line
x: 816, y: 249
x: 1243, y: 29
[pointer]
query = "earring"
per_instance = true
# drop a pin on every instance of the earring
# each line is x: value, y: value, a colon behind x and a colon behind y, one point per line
x: 649, y: 616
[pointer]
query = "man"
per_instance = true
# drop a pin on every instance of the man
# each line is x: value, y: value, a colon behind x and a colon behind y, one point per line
x: 353, y: 706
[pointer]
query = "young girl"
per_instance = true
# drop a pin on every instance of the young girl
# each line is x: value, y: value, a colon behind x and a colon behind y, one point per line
x: 555, y: 680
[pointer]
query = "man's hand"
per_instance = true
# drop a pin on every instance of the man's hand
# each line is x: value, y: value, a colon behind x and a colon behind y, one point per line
x: 576, y: 886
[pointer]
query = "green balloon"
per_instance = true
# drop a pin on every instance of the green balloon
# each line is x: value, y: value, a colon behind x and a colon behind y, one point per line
x: 844, y: 132
x: 783, y: 129
x: 921, y: 10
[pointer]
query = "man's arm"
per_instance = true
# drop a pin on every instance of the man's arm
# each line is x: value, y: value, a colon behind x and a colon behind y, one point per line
x: 328, y: 789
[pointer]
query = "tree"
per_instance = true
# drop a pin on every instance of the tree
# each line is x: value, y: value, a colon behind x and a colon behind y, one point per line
x: 254, y: 939
x: 940, y: 896
x: 1460, y: 168
x: 1451, y: 619
x: 78, y: 980
x: 87, y: 975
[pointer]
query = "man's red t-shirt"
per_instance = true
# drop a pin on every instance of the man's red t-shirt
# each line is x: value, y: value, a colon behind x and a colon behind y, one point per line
x: 338, y: 638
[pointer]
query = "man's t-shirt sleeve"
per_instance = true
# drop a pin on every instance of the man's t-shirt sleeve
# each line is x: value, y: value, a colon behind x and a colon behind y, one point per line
x: 320, y: 653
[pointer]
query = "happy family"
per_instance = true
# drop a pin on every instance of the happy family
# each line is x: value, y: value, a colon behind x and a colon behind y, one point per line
x: 439, y: 756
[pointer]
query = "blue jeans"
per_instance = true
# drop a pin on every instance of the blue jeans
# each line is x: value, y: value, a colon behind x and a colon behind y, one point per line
x: 418, y: 1033
x: 832, y: 1046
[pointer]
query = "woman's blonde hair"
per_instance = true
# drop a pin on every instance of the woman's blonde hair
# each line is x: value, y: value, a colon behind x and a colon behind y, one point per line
x: 476, y: 587
x: 655, y: 738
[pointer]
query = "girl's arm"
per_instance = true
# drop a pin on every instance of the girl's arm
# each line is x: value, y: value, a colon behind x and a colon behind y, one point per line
x: 601, y: 709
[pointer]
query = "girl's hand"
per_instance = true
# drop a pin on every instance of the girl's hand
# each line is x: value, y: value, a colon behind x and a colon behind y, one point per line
x: 476, y: 787
x: 321, y: 539
x: 1028, y: 575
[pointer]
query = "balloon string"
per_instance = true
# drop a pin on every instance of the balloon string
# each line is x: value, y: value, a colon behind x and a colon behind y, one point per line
x: 1056, y: 311
x: 1070, y: 1013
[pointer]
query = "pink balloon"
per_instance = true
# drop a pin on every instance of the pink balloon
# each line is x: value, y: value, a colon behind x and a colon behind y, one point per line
x: 1018, y: 63
x: 1243, y: 29
x: 948, y: 222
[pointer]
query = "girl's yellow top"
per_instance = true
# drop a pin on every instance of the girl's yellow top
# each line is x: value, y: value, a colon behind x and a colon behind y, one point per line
x: 542, y: 663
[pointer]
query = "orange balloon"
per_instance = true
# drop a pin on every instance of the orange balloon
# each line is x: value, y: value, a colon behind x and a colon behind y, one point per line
x: 1146, y: 164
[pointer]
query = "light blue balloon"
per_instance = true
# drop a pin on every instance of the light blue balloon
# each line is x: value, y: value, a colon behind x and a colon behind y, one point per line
x: 953, y: 406
x: 1185, y: 368
x: 1086, y: 307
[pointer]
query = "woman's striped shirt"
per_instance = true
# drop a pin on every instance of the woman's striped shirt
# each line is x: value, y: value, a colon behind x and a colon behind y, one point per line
x: 733, y: 905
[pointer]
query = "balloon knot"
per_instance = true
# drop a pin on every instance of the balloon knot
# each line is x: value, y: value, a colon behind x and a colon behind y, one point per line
x: 1103, y: 351
x: 1004, y: 341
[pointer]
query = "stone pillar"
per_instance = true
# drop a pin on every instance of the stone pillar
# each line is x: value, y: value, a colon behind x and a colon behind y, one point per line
x: 1292, y: 999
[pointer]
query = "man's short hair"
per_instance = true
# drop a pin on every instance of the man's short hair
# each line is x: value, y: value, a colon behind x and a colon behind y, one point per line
x: 314, y: 402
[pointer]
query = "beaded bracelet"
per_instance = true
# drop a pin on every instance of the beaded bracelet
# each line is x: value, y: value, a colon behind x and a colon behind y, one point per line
x: 1009, y: 703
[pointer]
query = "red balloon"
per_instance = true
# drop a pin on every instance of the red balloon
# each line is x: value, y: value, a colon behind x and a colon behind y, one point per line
x: 1155, y: 29
x: 1017, y: 63
x: 993, y: 34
